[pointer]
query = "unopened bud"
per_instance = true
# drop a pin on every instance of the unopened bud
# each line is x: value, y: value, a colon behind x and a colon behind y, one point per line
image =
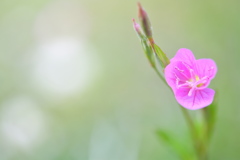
x: 137, y: 28
x: 145, y: 22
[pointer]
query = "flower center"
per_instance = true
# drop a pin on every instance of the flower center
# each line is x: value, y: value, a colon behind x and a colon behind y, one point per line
x: 197, y: 79
x: 194, y: 81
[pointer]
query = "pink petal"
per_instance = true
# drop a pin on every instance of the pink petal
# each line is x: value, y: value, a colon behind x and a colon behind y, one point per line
x: 169, y: 76
x: 176, y: 70
x: 199, y: 99
x: 184, y: 55
x: 205, y: 67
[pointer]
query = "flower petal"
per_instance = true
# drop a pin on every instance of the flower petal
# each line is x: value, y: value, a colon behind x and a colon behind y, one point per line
x: 176, y: 70
x: 206, y: 67
x: 199, y: 98
x: 184, y: 55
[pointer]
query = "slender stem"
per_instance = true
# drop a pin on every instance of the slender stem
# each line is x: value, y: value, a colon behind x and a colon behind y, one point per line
x: 189, y: 122
x: 184, y: 111
x: 205, y: 125
x: 160, y: 75
x: 205, y: 130
x: 193, y: 132
x: 199, y: 145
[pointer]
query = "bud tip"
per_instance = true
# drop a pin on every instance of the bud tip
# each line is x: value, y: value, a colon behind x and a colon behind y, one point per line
x: 136, y: 26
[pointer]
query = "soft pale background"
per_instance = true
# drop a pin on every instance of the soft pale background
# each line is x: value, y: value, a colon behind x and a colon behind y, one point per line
x: 75, y: 84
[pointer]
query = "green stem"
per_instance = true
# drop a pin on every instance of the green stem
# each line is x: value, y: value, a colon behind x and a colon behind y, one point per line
x: 184, y: 111
x: 205, y: 139
x: 200, y: 145
x: 190, y: 123
x: 160, y: 75
x: 189, y: 120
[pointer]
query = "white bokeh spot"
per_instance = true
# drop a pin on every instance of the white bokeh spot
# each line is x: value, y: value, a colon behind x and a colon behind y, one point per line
x: 63, y: 67
x: 22, y: 123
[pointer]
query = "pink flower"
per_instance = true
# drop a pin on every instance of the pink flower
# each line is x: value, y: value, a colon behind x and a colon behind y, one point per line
x: 189, y: 79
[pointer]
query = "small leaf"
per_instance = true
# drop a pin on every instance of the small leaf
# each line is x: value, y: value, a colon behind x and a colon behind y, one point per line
x: 163, y: 59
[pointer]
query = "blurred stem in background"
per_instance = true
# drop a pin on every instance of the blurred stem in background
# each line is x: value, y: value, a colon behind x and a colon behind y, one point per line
x: 200, y: 133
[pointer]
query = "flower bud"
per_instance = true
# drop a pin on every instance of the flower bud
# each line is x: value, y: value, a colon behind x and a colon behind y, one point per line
x: 145, y: 22
x: 137, y: 28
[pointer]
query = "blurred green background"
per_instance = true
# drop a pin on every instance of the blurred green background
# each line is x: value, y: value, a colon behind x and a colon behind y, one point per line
x: 75, y: 84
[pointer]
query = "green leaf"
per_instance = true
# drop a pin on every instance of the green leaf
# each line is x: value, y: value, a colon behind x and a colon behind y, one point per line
x: 180, y: 148
x: 163, y: 59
